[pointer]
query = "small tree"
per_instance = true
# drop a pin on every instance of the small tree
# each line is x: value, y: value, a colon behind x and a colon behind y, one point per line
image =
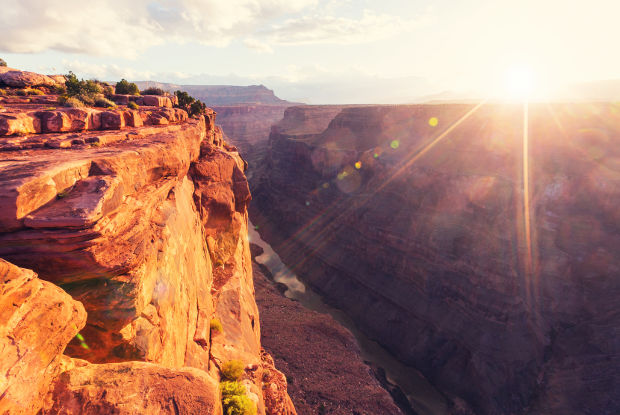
x: 190, y: 104
x: 128, y: 88
x: 2, y: 62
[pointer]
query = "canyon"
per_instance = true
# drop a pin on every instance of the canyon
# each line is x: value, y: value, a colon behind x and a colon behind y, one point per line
x: 477, y: 243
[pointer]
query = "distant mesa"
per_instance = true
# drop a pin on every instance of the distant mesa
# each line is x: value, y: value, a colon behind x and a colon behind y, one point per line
x: 223, y: 94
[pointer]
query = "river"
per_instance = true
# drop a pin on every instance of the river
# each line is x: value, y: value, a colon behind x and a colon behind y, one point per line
x: 423, y: 398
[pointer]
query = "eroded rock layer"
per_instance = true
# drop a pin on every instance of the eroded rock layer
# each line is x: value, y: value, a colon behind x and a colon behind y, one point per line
x: 418, y: 222
x: 145, y: 229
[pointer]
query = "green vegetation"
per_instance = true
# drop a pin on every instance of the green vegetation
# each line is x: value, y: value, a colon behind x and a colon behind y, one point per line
x: 71, y: 102
x: 85, y: 91
x: 153, y: 91
x: 216, y: 326
x: 127, y: 88
x: 104, y: 103
x: 235, y: 400
x: 2, y: 62
x: 232, y: 370
x: 132, y: 105
x: 190, y: 104
x: 34, y: 91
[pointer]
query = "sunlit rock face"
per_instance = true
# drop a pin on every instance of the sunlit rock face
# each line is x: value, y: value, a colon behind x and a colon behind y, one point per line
x: 416, y: 221
x: 141, y: 238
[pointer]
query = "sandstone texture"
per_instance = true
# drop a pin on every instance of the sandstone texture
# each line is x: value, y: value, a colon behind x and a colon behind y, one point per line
x: 137, y: 223
x: 320, y: 358
x: 37, y: 320
x: 417, y: 222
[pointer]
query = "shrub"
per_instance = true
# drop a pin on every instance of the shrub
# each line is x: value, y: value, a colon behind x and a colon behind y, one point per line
x: 153, y: 91
x: 2, y: 91
x: 108, y: 90
x: 34, y: 91
x: 233, y: 370
x: 216, y: 326
x: 2, y: 62
x: 132, y: 105
x: 127, y: 88
x: 71, y: 102
x: 190, y: 104
x: 235, y: 401
x: 104, y: 102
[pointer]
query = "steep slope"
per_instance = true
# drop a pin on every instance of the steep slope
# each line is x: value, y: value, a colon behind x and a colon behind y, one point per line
x: 416, y: 221
x: 145, y: 226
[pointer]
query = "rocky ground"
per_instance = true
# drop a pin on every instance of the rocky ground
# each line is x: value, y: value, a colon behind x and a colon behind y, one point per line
x: 320, y: 358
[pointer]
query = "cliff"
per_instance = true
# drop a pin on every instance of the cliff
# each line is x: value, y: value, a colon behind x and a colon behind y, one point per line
x: 136, y: 223
x: 247, y: 126
x: 418, y: 223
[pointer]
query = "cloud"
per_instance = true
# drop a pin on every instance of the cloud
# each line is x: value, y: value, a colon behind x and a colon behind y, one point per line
x: 330, y: 29
x: 257, y: 45
x: 127, y: 28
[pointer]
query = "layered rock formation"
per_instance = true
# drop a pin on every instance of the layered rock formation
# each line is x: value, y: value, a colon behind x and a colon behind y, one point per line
x: 140, y: 237
x: 418, y: 222
x: 214, y: 95
x: 247, y: 127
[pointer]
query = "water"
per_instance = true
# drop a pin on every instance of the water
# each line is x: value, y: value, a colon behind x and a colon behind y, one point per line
x: 423, y: 397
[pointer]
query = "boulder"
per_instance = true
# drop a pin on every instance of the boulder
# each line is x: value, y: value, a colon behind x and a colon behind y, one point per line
x: 134, y: 388
x: 37, y: 320
x: 23, y: 79
x: 19, y: 124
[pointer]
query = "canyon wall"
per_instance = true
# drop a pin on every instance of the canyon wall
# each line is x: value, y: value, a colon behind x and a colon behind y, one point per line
x: 248, y: 126
x: 419, y: 222
x: 138, y: 235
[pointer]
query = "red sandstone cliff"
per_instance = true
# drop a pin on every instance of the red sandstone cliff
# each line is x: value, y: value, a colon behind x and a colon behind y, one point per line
x: 138, y: 235
x: 424, y: 242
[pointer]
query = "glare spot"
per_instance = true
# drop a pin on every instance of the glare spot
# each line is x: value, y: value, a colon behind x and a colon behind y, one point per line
x: 395, y: 144
x: 307, y: 203
x: 358, y: 165
x: 433, y: 121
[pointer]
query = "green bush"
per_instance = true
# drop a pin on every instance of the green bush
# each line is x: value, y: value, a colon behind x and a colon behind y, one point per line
x: 190, y: 104
x: 216, y: 326
x: 108, y: 90
x: 233, y: 370
x: 127, y: 88
x: 34, y: 91
x: 235, y: 401
x: 153, y: 91
x: 2, y: 62
x: 132, y: 105
x: 71, y: 102
x: 104, y: 102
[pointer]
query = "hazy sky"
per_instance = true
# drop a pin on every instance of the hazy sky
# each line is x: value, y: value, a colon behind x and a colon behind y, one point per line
x: 320, y: 51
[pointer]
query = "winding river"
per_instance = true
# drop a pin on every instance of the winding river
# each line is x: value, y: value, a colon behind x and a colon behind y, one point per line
x: 423, y: 398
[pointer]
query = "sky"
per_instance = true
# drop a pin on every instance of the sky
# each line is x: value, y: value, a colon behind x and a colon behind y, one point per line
x: 323, y: 51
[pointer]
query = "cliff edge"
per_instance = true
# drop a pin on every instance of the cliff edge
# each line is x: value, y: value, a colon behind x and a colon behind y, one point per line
x: 136, y: 223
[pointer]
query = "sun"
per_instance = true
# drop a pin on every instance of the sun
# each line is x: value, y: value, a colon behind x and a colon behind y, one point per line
x: 519, y: 82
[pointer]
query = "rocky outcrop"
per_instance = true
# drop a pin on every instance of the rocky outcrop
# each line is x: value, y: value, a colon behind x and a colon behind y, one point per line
x: 113, y: 388
x: 416, y: 221
x: 37, y: 320
x: 23, y: 79
x: 147, y: 228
